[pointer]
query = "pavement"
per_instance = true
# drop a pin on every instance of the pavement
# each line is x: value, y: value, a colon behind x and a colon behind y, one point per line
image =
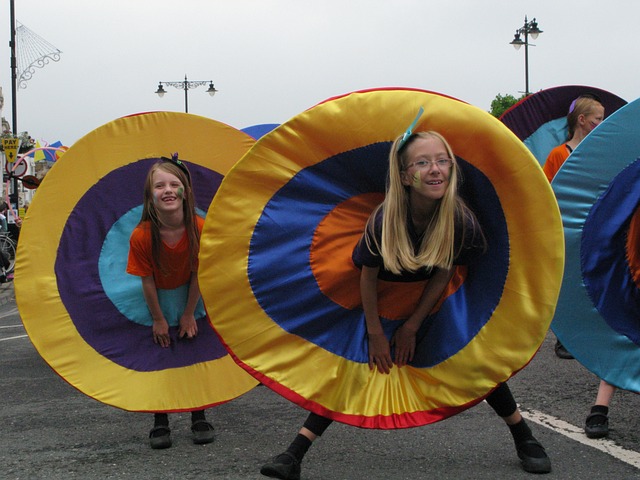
x: 7, y: 294
x: 51, y: 431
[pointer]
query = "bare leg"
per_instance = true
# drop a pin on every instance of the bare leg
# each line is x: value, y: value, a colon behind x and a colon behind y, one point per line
x: 597, y: 422
x: 308, y: 433
x: 605, y: 393
x: 514, y: 418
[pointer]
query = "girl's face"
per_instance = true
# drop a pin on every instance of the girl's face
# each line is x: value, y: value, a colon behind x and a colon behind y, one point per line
x: 593, y: 118
x: 427, y: 168
x: 168, y: 191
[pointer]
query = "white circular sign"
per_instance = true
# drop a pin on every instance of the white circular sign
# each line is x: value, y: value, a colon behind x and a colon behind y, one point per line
x: 20, y: 168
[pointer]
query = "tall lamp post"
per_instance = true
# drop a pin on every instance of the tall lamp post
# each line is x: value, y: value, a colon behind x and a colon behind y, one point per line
x: 186, y: 85
x: 14, y: 90
x: 528, y: 29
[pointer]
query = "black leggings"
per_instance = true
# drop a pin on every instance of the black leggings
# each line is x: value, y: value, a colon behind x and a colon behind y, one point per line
x: 316, y: 423
x: 501, y: 400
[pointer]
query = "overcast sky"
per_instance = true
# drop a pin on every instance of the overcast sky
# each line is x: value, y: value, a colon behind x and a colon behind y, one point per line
x: 271, y: 59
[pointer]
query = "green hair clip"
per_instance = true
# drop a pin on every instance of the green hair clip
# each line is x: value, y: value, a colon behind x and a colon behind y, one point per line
x: 409, y: 130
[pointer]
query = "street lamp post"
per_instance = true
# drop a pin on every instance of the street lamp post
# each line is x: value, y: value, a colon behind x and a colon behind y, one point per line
x: 14, y: 91
x: 528, y: 29
x: 186, y: 85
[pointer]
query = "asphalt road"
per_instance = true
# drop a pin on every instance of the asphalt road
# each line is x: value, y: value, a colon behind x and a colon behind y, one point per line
x: 49, y: 430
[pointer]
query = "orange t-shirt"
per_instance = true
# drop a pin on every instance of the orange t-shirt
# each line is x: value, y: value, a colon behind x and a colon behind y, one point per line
x: 556, y: 158
x: 177, y: 259
x: 633, y: 247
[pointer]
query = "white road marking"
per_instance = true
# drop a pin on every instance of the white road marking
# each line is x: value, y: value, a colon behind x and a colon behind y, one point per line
x: 13, y: 338
x: 13, y: 311
x: 577, y: 434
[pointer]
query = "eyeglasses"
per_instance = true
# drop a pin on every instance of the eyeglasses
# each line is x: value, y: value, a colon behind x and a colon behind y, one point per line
x: 441, y: 164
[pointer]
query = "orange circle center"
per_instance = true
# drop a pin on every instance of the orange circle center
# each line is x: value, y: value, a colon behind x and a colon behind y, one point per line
x: 633, y: 247
x: 339, y: 279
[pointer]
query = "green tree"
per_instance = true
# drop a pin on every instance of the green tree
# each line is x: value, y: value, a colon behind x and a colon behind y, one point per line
x: 502, y: 103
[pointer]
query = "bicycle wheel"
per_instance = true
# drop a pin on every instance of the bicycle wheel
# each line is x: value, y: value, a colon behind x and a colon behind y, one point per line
x: 8, y: 249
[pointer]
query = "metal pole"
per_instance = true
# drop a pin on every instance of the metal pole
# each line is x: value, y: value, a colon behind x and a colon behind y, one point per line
x: 186, y: 101
x: 14, y: 70
x: 14, y: 90
x: 526, y: 59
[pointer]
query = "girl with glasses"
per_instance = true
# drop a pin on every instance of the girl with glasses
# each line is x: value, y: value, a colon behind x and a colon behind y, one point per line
x: 421, y: 231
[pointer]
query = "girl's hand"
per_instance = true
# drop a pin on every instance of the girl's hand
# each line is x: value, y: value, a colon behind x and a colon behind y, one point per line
x: 405, y: 342
x: 379, y: 353
x: 161, y: 333
x: 188, y: 327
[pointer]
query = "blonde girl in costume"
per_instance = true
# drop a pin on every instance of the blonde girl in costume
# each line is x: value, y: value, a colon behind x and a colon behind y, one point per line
x: 421, y: 230
x: 585, y: 113
x: 164, y: 252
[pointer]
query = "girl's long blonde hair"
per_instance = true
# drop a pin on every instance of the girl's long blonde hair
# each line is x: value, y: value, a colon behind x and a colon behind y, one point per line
x: 150, y: 213
x: 437, y: 248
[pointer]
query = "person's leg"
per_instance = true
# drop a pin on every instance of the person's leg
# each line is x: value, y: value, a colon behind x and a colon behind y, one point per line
x: 561, y: 351
x: 597, y: 422
x: 605, y: 393
x: 4, y: 264
x: 203, y: 431
x: 530, y: 451
x: 286, y: 466
x: 160, y: 435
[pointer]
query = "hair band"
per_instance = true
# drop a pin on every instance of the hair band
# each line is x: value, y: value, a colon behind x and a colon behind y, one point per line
x: 178, y: 163
x: 409, y: 131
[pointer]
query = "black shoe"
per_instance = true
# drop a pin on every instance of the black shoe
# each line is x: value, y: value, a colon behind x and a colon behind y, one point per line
x: 562, y: 352
x: 160, y: 437
x: 596, y: 425
x: 533, y: 457
x: 284, y: 466
x: 203, y: 432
